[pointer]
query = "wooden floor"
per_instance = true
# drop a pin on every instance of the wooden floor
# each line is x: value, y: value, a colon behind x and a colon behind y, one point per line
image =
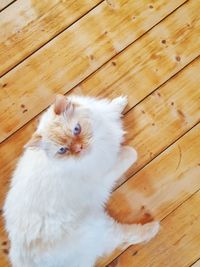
x: 148, y: 50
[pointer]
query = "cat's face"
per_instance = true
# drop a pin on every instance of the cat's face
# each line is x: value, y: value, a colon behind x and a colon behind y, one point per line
x: 64, y: 131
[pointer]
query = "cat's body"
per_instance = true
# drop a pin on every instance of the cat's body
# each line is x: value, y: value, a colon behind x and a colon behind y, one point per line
x: 54, y: 210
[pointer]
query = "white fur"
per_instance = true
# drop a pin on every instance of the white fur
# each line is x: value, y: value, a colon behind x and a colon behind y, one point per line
x: 54, y: 210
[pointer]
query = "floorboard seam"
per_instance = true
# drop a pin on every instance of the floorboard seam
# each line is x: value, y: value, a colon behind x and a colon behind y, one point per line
x: 182, y: 203
x: 7, y: 5
x: 35, y: 51
x: 159, y: 153
x: 107, y: 60
x: 196, y: 58
x: 194, y: 262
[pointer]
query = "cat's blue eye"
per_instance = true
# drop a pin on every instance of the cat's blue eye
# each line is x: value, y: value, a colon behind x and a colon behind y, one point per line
x: 63, y: 150
x: 77, y: 129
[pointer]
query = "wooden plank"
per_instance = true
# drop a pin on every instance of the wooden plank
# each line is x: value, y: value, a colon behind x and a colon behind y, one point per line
x: 29, y: 24
x: 158, y: 189
x: 165, y: 115
x: 176, y: 245
x: 45, y: 77
x: 168, y: 113
x: 4, y: 4
x: 163, y: 184
x: 151, y: 60
x: 27, y: 19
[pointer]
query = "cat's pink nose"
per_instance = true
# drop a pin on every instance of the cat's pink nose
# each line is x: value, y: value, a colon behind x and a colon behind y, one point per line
x: 77, y: 148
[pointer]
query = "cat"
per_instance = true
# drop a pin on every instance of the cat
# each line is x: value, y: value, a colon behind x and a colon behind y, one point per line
x: 55, y: 208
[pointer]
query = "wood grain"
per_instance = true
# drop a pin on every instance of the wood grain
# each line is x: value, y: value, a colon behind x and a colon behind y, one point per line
x: 169, y: 112
x: 156, y: 191
x: 74, y: 55
x: 151, y: 60
x: 164, y: 116
x: 177, y: 243
x: 29, y: 24
x: 162, y: 185
x: 115, y: 47
x: 5, y: 3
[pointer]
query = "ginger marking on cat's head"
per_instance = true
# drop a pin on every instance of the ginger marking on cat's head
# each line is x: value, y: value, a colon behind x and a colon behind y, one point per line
x: 64, y: 131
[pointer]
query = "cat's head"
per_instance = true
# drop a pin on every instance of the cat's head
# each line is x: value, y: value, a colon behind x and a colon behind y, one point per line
x: 73, y: 126
x: 64, y: 130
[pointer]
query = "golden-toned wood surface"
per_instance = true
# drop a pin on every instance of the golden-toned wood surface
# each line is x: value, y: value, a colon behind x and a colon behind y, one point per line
x: 163, y: 112
x: 148, y: 50
x: 72, y: 56
x: 29, y: 24
x: 177, y: 243
x: 159, y: 188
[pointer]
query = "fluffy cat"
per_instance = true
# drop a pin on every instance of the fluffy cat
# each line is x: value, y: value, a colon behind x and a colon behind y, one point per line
x: 54, y: 210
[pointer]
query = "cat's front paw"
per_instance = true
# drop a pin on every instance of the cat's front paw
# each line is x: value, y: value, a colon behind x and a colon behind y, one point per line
x: 151, y: 230
x: 129, y: 154
x: 120, y: 103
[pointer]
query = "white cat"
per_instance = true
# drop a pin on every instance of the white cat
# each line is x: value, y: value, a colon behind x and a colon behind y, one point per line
x: 54, y: 210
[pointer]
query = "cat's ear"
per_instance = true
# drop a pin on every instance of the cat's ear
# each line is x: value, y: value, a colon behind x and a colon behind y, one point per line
x: 35, y: 141
x: 119, y: 103
x: 62, y: 104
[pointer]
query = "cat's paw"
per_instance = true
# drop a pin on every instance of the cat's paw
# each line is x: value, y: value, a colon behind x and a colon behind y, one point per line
x: 138, y: 233
x: 129, y: 154
x: 120, y: 103
x: 151, y: 229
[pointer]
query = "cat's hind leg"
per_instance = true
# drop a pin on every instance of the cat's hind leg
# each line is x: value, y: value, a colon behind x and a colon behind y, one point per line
x: 101, y: 235
x: 120, y: 235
